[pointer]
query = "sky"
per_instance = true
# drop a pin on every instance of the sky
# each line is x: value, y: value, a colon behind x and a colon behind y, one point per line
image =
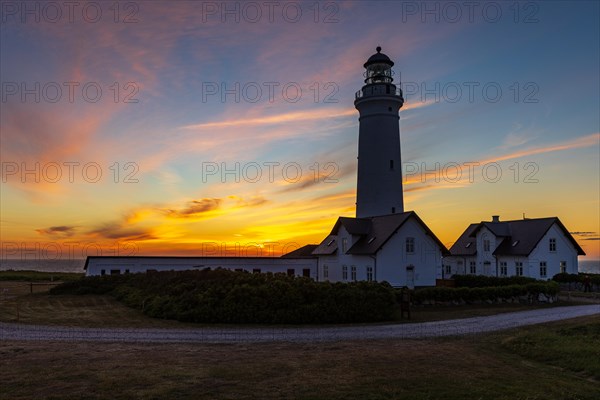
x: 228, y: 128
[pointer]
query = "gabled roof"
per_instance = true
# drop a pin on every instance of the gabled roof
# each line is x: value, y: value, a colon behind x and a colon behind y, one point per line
x: 327, y: 247
x: 302, y: 252
x: 354, y: 226
x: 465, y: 245
x: 520, y: 237
x: 373, y: 233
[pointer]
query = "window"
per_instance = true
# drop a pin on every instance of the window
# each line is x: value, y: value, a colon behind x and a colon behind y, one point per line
x: 126, y: 271
x: 448, y: 270
x: 552, y: 244
x: 353, y: 273
x: 410, y: 245
x: 486, y: 245
x: 306, y: 272
x: 344, y: 272
x: 503, y: 268
x: 519, y: 268
x: 344, y: 244
x: 516, y: 242
x: 371, y: 240
x: 330, y: 242
x: 468, y: 245
x: 239, y: 270
x: 325, y: 272
x: 393, y: 210
x: 102, y: 272
x: 473, y: 268
x: 392, y: 164
x: 256, y: 271
x: 115, y: 272
x: 291, y: 272
x: 543, y: 269
x: 369, y: 274
x: 563, y: 267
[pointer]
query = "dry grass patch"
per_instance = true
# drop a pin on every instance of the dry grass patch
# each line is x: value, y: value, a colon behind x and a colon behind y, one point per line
x: 454, y: 368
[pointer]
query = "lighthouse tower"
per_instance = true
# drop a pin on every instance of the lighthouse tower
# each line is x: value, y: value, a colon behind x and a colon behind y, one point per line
x: 379, y: 186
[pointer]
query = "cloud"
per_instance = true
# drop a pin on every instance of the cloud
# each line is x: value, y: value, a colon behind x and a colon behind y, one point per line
x: 194, y: 208
x: 583, y: 141
x: 255, y: 201
x: 116, y: 230
x: 62, y: 231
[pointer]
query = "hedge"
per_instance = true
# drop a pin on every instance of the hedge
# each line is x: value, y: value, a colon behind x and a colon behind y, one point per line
x: 223, y: 296
x: 481, y: 294
x: 473, y: 281
x: 576, y: 278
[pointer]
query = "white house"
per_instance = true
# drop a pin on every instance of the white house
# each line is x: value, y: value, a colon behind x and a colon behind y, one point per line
x: 538, y: 248
x: 397, y: 248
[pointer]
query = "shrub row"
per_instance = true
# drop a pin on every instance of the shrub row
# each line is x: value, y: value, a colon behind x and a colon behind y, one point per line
x: 480, y: 294
x: 479, y: 281
x: 576, y: 278
x: 223, y: 296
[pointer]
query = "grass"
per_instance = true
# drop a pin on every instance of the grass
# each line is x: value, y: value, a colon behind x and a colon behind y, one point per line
x: 492, y: 366
x: 36, y: 276
x: 559, y: 360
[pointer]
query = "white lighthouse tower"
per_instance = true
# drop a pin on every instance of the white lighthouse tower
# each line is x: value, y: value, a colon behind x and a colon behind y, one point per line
x: 379, y: 186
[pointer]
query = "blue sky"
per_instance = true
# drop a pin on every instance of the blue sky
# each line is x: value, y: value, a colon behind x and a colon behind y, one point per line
x: 542, y: 56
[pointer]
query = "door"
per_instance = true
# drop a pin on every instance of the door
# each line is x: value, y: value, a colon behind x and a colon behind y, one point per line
x: 410, y: 276
x: 487, y: 267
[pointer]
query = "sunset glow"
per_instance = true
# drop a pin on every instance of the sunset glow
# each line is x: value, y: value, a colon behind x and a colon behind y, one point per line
x: 180, y: 131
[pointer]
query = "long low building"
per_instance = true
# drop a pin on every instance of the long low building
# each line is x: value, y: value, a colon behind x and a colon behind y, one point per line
x: 114, y: 265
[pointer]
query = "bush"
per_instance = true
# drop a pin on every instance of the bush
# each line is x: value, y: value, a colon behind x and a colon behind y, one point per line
x: 473, y: 281
x: 480, y: 294
x: 225, y: 296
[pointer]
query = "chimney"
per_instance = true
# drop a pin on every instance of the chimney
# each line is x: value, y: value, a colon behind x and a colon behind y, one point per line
x: 495, y: 218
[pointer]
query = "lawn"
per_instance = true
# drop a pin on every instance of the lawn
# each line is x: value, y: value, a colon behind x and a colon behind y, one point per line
x: 491, y: 366
x: 560, y: 360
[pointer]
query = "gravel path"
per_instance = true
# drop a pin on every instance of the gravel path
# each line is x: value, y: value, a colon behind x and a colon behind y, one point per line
x: 9, y: 331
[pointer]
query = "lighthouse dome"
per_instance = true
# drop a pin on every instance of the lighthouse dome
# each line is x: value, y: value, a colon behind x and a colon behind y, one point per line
x: 379, y: 58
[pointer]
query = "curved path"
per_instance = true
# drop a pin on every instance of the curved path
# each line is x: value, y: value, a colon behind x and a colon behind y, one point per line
x: 9, y: 331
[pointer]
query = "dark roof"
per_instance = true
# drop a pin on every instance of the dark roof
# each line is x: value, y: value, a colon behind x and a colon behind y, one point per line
x: 377, y: 58
x: 302, y: 252
x: 374, y: 232
x: 327, y: 247
x: 354, y: 226
x: 465, y: 245
x: 520, y: 237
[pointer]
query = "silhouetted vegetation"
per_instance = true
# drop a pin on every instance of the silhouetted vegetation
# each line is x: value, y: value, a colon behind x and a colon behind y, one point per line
x: 482, y: 294
x: 223, y: 296
x: 479, y: 281
x: 594, y: 279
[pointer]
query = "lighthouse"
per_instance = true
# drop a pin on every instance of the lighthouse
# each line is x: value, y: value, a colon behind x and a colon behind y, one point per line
x: 379, y: 183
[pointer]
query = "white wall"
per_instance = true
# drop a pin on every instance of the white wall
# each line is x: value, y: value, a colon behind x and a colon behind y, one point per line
x: 95, y: 265
x: 565, y: 251
x: 393, y: 260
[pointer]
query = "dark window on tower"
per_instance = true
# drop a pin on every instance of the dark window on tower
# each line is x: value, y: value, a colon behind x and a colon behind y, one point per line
x: 391, y: 164
x: 393, y: 210
x: 387, y: 89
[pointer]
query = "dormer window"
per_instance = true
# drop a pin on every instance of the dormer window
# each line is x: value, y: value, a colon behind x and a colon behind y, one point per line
x: 516, y: 242
x: 468, y: 245
x: 330, y: 242
x: 371, y: 240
